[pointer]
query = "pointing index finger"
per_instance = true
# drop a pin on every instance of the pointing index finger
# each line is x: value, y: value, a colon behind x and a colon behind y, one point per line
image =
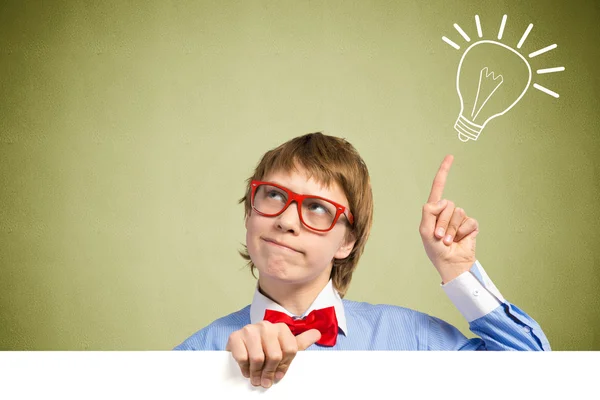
x: 437, y: 189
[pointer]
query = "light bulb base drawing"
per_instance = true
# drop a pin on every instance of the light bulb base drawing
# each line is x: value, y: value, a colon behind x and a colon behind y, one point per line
x: 466, y: 129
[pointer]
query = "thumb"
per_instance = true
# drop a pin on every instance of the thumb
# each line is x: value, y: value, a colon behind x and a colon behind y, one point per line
x: 472, y: 237
x: 308, y: 338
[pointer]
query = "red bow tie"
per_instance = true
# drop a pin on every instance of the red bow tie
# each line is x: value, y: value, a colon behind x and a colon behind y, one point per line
x: 324, y: 320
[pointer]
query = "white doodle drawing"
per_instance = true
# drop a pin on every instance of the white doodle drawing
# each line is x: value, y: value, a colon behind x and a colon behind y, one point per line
x: 470, y: 123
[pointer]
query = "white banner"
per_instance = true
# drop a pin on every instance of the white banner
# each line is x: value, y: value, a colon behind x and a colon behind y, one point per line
x: 312, y: 375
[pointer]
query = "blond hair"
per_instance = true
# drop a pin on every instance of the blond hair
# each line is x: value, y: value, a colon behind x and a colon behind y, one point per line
x: 326, y: 159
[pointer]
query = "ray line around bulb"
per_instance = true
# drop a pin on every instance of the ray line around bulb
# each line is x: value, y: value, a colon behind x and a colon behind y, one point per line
x: 502, y: 25
x: 547, y: 91
x: 524, y: 36
x: 478, y: 23
x: 549, y: 70
x: 542, y: 51
x: 450, y: 42
x: 462, y: 33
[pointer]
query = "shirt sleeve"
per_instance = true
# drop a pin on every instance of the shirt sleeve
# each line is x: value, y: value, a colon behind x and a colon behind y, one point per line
x: 473, y: 293
x: 500, y: 324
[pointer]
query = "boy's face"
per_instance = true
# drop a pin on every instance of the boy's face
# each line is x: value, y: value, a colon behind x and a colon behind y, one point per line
x: 310, y: 255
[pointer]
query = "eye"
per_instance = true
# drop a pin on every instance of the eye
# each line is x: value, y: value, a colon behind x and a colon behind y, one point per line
x: 275, y: 195
x: 318, y: 208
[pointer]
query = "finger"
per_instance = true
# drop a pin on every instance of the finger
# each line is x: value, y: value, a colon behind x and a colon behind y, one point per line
x: 457, y: 219
x: 469, y: 240
x: 289, y: 348
x: 307, y: 339
x: 256, y: 355
x: 443, y: 220
x: 273, y: 356
x: 238, y: 350
x: 468, y: 226
x: 430, y: 216
x: 439, y: 182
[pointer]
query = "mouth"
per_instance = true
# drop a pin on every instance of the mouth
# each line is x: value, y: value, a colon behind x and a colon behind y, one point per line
x: 281, y: 245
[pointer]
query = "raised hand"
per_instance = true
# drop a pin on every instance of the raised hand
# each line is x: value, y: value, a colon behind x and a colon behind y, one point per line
x: 264, y: 350
x: 447, y: 232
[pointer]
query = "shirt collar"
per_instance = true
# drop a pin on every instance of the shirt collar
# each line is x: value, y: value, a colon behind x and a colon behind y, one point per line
x: 327, y: 298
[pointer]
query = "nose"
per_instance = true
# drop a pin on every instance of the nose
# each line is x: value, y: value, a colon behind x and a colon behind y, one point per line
x: 289, y: 220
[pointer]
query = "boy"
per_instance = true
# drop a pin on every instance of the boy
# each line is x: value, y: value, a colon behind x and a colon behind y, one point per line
x: 309, y: 210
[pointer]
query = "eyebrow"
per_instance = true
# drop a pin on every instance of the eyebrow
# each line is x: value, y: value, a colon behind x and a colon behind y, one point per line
x: 285, y: 186
x: 310, y: 194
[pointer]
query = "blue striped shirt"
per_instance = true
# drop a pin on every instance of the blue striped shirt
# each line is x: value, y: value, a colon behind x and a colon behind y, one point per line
x: 498, y: 324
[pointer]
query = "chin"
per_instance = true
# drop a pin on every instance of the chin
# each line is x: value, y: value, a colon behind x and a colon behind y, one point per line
x: 281, y: 270
x: 278, y: 269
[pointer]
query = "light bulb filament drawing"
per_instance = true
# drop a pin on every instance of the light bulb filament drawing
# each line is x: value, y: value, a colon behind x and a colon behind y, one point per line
x: 486, y: 82
x: 491, y: 78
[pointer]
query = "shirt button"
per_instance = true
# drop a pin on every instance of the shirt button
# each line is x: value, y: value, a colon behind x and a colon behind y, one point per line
x: 527, y: 329
x: 475, y: 292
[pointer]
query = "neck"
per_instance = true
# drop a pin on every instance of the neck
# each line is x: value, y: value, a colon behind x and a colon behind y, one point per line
x: 294, y: 297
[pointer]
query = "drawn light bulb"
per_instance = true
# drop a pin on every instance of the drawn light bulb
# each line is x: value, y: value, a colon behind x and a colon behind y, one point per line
x: 483, y: 85
x: 491, y: 79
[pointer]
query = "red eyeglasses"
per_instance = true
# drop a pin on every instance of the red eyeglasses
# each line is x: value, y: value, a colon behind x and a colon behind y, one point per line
x: 316, y: 213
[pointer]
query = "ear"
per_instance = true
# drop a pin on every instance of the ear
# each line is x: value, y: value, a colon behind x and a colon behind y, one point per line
x: 345, y: 248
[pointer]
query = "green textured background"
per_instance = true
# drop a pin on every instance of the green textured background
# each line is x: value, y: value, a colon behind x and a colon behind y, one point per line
x: 127, y: 130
